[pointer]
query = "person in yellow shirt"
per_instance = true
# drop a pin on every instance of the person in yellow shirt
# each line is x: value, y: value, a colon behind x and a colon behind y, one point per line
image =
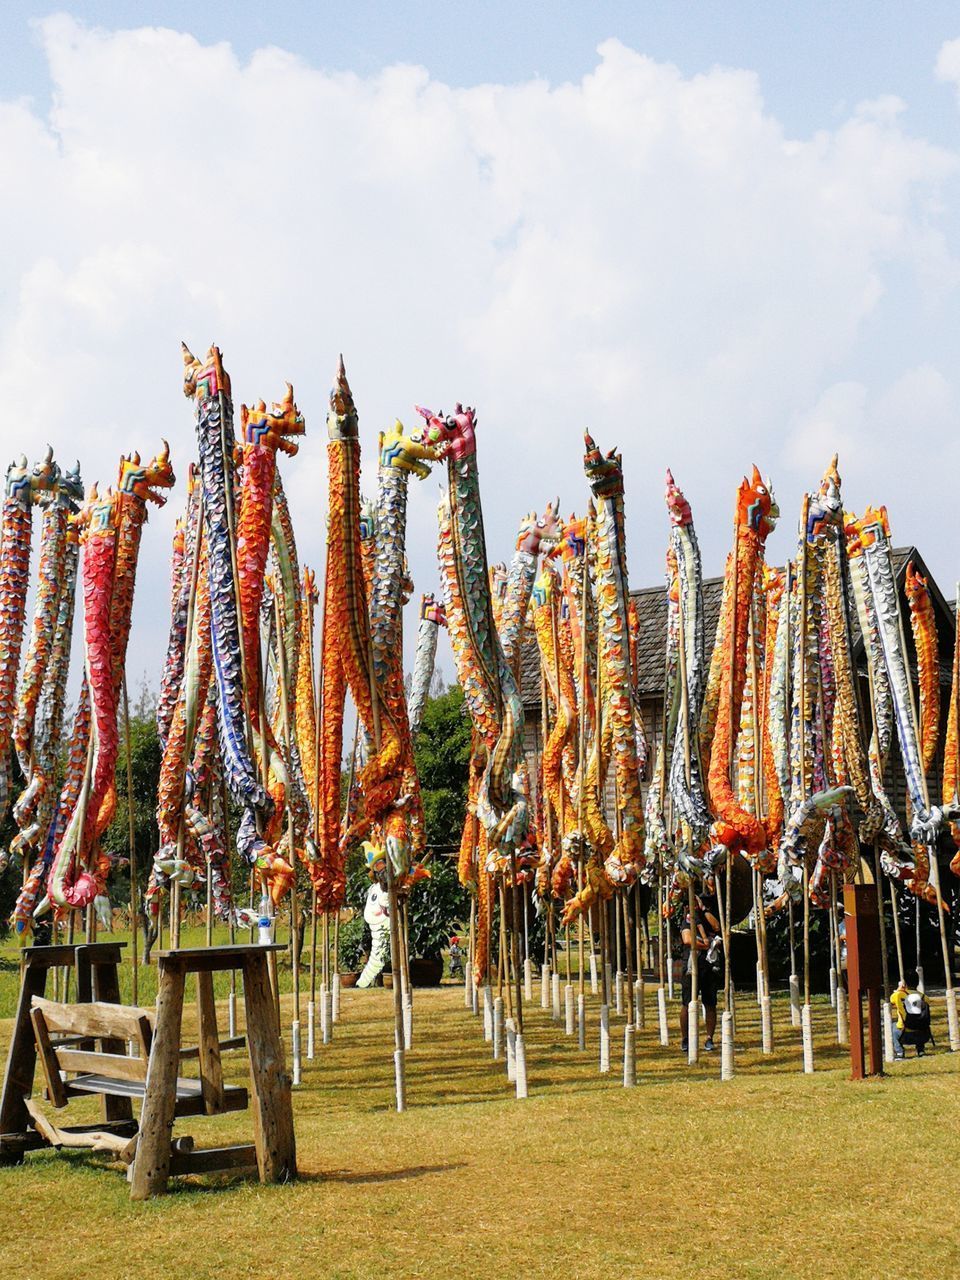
x: 912, y: 1024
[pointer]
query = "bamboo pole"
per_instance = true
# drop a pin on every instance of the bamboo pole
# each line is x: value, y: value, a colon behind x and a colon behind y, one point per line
x: 131, y: 832
x: 582, y: 740
x: 399, y: 1032
x: 693, y: 1010
x: 547, y: 813
x: 802, y: 694
x: 228, y: 845
x: 291, y: 836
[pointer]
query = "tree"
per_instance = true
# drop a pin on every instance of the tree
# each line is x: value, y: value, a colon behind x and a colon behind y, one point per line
x: 442, y: 754
x: 145, y: 756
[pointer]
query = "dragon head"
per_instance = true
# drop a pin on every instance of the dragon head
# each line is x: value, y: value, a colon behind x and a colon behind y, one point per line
x: 432, y: 610
x: 407, y: 451
x: 96, y: 515
x: 604, y: 472
x: 342, y: 421
x: 70, y: 488
x: 272, y: 428
x: 825, y: 507
x: 144, y: 480
x: 204, y: 378
x: 309, y: 592
x: 18, y: 481
x: 757, y: 508
x: 915, y: 587
x: 573, y: 541
x: 453, y: 434
x: 45, y: 479
x: 862, y: 532
x: 541, y: 533
x: 678, y: 508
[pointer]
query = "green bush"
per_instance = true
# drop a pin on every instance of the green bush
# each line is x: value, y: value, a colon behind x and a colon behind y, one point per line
x: 352, y: 945
x: 437, y: 908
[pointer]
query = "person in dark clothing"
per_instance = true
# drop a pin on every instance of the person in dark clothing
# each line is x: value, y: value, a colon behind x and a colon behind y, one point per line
x: 708, y: 971
x: 912, y: 1025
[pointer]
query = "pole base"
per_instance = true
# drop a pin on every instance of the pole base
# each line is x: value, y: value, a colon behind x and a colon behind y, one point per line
x: 662, y: 1016
x: 806, y: 1033
x: 629, y: 1056
x: 726, y: 1045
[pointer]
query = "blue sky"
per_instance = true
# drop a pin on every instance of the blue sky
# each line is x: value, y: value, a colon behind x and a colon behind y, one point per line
x: 713, y: 234
x: 815, y: 58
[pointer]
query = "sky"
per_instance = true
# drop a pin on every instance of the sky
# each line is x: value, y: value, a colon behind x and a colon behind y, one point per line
x: 712, y: 234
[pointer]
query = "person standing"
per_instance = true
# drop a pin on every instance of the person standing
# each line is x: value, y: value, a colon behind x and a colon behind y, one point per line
x: 708, y: 948
x: 913, y: 1017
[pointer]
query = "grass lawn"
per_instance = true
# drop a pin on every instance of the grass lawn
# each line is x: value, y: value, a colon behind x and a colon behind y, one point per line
x: 770, y: 1175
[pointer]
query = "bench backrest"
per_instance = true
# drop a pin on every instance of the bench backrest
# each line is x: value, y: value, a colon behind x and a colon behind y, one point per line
x: 112, y: 1024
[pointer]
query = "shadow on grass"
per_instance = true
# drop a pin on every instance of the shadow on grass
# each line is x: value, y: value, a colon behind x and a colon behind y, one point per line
x: 386, y: 1175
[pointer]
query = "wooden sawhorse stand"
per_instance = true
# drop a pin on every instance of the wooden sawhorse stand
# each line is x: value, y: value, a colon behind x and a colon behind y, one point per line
x: 270, y: 1094
x: 96, y: 966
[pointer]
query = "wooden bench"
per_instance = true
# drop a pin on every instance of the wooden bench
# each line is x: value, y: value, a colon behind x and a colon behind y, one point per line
x: 112, y: 1073
x: 95, y: 966
x: 65, y: 1038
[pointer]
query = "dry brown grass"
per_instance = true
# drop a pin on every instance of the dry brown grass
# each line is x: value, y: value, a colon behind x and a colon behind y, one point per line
x: 771, y: 1175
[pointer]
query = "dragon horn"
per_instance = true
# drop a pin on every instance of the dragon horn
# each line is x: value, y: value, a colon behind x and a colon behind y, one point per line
x: 756, y: 478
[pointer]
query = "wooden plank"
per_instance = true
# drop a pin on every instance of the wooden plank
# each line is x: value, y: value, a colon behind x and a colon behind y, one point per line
x: 213, y: 1160
x: 98, y: 1020
x: 211, y: 1070
x: 237, y: 952
x: 106, y: 987
x: 189, y: 1098
x: 22, y: 1055
x: 119, y: 1128
x: 235, y: 1098
x: 13, y: 1145
x: 50, y: 957
x: 269, y: 1083
x: 108, y: 1086
x: 232, y: 1042
x: 65, y: 953
x: 115, y: 1066
x: 48, y: 1061
x: 152, y: 1164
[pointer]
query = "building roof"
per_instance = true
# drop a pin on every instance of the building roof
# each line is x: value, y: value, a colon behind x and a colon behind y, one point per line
x: 651, y: 603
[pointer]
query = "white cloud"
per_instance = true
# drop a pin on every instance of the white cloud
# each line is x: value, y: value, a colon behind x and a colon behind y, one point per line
x: 897, y: 442
x: 948, y: 62
x: 643, y: 253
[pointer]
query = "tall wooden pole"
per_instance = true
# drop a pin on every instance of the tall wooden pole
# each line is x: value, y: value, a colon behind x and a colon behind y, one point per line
x: 291, y: 837
x: 132, y: 842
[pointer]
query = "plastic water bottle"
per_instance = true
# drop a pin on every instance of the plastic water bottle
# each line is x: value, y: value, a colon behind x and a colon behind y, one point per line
x: 265, y: 937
